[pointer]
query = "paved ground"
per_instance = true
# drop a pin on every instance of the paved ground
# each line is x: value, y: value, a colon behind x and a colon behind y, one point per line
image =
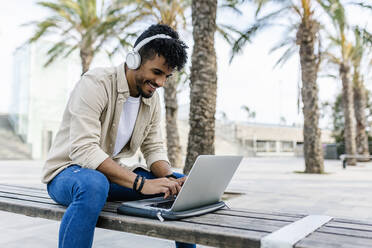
x: 269, y: 184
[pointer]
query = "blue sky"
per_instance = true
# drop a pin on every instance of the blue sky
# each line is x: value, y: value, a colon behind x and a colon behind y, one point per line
x: 249, y: 80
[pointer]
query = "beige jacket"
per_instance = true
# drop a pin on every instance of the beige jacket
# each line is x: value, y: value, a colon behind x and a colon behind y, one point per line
x: 89, y: 126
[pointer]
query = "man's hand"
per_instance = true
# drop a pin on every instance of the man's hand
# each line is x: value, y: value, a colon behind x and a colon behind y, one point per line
x: 180, y: 181
x: 161, y: 185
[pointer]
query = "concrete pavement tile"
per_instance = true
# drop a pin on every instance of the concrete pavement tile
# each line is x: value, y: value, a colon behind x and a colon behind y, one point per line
x: 31, y: 242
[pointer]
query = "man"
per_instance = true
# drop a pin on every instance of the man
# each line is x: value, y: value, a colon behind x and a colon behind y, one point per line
x: 110, y: 114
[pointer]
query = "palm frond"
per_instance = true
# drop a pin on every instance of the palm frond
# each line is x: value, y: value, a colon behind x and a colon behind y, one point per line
x: 366, y: 36
x: 275, y: 14
x: 226, y: 32
x: 231, y: 5
x: 245, y: 37
x: 336, y: 12
x: 363, y: 5
x: 69, y: 51
x: 63, y: 10
x: 286, y: 56
x: 259, y: 25
x: 56, y: 51
x: 288, y: 41
x: 332, y: 58
x: 43, y: 27
x: 88, y: 12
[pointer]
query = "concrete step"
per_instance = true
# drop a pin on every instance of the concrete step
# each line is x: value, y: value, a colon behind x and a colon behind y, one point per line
x: 11, y: 145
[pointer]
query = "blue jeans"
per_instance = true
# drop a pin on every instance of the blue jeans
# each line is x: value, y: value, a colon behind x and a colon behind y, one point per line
x: 84, y: 192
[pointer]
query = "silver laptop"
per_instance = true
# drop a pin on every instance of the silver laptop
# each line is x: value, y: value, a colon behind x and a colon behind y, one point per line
x: 201, y: 193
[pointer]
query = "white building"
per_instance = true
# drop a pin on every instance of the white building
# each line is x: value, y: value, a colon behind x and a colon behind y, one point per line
x: 274, y: 140
x: 253, y: 139
x: 39, y: 94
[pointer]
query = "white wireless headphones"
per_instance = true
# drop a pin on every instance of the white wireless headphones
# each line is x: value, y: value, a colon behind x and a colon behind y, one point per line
x: 133, y: 59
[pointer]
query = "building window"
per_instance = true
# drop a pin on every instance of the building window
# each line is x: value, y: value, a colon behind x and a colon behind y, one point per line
x: 249, y: 143
x: 261, y: 146
x: 266, y: 146
x: 286, y: 146
x: 272, y: 146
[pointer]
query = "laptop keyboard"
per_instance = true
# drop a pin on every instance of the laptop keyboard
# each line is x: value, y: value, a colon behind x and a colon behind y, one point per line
x: 165, y: 205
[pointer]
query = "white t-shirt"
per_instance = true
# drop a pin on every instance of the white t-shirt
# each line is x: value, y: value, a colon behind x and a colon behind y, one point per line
x: 126, y: 124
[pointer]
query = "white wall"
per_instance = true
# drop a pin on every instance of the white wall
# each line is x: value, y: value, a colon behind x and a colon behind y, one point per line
x: 40, y: 94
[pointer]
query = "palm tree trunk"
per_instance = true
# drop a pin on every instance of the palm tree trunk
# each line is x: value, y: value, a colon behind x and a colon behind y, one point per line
x: 349, y: 114
x: 203, y: 86
x: 306, y: 38
x: 171, y: 110
x: 360, y: 101
x: 86, y: 56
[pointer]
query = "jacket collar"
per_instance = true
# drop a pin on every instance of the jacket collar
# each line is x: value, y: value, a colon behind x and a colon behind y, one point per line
x: 122, y: 84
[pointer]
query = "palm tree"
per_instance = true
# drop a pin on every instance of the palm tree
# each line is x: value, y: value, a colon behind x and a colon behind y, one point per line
x: 306, y: 38
x: 203, y: 85
x: 336, y: 11
x: 80, y: 25
x: 361, y: 46
x: 171, y: 13
x: 250, y: 114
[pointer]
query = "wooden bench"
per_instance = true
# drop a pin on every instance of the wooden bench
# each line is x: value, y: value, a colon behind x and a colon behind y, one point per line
x: 344, y: 158
x: 224, y: 228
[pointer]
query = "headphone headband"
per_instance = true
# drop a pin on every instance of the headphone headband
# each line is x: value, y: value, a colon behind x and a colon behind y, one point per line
x: 133, y: 59
x: 147, y: 40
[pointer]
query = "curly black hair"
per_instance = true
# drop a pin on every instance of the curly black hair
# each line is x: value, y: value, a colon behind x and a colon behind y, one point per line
x: 173, y: 50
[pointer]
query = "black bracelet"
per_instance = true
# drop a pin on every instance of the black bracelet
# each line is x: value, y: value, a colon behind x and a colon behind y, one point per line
x: 171, y: 175
x: 135, y: 182
x: 141, y: 185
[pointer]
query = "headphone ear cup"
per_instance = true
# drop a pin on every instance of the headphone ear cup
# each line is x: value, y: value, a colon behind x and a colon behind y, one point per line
x: 133, y: 60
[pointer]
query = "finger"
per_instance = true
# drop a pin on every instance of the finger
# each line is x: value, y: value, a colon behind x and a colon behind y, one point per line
x: 169, y: 184
x: 178, y: 186
x: 173, y: 189
x: 182, y: 180
x: 166, y: 193
x: 178, y: 181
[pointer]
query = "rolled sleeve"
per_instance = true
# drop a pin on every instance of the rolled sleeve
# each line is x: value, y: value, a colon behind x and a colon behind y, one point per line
x: 86, y: 105
x: 153, y: 145
x: 152, y: 158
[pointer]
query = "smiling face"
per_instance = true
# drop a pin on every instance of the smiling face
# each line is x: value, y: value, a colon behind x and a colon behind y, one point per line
x: 151, y: 75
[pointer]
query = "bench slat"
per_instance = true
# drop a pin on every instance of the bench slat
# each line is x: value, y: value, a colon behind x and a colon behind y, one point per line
x: 24, y: 188
x: 26, y: 191
x: 268, y: 213
x: 20, y: 193
x: 177, y: 230
x: 362, y: 227
x: 27, y: 198
x: 319, y: 239
x: 348, y: 221
x: 233, y: 212
x: 238, y: 222
x: 346, y: 231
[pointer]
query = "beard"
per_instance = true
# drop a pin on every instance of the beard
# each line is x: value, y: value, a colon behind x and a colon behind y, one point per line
x: 141, y: 83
